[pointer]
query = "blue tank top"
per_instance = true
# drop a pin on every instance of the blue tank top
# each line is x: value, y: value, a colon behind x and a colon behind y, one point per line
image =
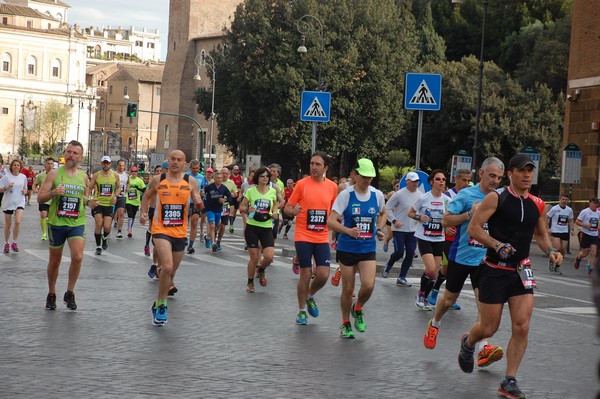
x: 466, y: 250
x: 363, y: 215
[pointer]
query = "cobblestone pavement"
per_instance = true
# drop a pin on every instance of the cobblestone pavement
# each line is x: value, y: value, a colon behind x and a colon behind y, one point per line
x: 221, y: 342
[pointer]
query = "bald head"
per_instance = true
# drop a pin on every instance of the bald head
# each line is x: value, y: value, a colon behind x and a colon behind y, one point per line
x: 176, y: 161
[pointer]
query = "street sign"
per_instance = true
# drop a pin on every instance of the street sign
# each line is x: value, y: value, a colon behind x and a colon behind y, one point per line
x: 315, y: 106
x: 571, y: 165
x: 460, y: 160
x: 535, y: 157
x: 424, y: 185
x: 423, y: 91
x: 155, y: 159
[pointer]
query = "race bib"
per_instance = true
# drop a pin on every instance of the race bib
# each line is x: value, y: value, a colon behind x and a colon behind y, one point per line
x: 105, y: 190
x: 132, y: 194
x: 433, y: 228
x: 526, y: 275
x: 225, y: 211
x: 68, y: 207
x: 562, y: 220
x: 366, y: 226
x: 316, y: 220
x: 594, y: 223
x: 172, y: 215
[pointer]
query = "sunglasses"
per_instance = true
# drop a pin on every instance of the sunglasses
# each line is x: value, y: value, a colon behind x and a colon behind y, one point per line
x: 105, y: 162
x: 440, y: 179
x: 265, y: 175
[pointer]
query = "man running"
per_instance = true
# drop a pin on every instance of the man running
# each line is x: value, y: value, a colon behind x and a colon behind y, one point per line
x: 238, y: 179
x: 216, y: 196
x: 513, y: 217
x: 195, y: 172
x: 228, y: 207
x: 119, y: 215
x: 105, y: 186
x: 171, y: 191
x: 135, y: 189
x: 560, y: 218
x: 43, y: 208
x: 466, y: 255
x: 68, y: 191
x: 588, y: 221
x: 311, y: 203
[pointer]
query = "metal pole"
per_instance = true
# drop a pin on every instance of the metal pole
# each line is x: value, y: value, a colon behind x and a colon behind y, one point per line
x: 212, y: 111
x: 479, y: 89
x: 419, y: 137
x: 313, y: 146
x: 78, y: 116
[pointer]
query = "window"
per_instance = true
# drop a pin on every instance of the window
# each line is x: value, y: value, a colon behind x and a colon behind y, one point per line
x: 30, y: 24
x: 49, y: 26
x: 167, y: 136
x: 150, y: 45
x: 4, y: 111
x: 6, y: 62
x: 110, y: 89
x: 158, y: 91
x: 55, y: 68
x: 139, y: 43
x: 31, y: 65
x: 125, y: 91
x: 4, y: 20
x: 110, y: 119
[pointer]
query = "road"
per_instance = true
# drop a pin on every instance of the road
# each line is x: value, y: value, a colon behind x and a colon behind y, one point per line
x: 221, y: 342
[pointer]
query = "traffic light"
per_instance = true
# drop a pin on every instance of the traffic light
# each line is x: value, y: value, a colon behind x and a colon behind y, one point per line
x: 132, y: 110
x: 142, y: 167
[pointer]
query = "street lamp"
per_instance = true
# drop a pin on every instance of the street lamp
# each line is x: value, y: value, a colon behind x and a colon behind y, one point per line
x: 479, y: 85
x: 200, y: 61
x: 309, y: 24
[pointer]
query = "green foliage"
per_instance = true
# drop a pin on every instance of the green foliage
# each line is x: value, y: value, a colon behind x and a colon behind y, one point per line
x: 56, y: 118
x: 36, y: 148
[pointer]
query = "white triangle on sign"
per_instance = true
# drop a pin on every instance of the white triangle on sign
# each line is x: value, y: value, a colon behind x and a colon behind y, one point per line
x: 423, y: 95
x: 315, y: 109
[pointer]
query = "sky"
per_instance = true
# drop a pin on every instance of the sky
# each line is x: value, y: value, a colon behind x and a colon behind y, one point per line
x: 149, y: 14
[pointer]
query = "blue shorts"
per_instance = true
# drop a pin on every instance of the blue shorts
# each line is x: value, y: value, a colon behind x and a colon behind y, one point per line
x: 305, y: 251
x: 213, y: 217
x: 58, y: 235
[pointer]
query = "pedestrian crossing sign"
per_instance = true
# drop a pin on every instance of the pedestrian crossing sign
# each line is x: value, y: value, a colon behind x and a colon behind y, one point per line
x: 315, y: 106
x: 423, y: 91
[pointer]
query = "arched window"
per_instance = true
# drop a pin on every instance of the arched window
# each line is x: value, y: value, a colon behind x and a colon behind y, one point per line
x: 31, y: 65
x: 6, y: 63
x: 55, y: 68
x: 167, y: 136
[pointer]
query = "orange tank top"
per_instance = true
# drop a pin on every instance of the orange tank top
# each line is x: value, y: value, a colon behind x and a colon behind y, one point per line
x: 170, y: 216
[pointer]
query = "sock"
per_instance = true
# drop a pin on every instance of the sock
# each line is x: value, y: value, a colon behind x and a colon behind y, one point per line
x: 510, y: 377
x: 44, y: 225
x: 436, y: 323
x: 479, y: 346
x: 148, y: 236
x: 429, y: 286
x: 98, y: 237
x: 231, y: 220
x: 159, y: 302
x: 357, y: 308
x: 251, y: 281
x: 105, y: 235
x: 302, y: 309
x: 440, y: 280
x: 345, y: 321
x: 424, y: 283
x: 191, y: 244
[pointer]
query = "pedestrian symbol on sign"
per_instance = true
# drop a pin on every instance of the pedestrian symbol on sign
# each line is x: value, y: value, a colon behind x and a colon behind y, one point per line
x: 423, y: 95
x: 315, y: 109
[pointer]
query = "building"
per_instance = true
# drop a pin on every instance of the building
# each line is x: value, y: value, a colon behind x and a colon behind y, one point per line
x: 56, y: 9
x: 194, y: 25
x: 582, y: 113
x: 130, y: 44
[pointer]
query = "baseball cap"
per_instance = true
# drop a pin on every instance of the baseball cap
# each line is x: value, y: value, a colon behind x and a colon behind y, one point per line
x: 209, y: 170
x: 134, y: 169
x: 594, y: 200
x: 165, y: 164
x: 365, y: 168
x: 412, y: 176
x: 105, y: 158
x: 519, y: 161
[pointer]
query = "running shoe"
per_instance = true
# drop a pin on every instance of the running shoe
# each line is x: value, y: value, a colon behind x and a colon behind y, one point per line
x: 285, y: 237
x: 337, y: 276
x: 302, y: 318
x: 44, y: 237
x: 147, y: 250
x: 557, y: 270
x: 206, y: 241
x: 219, y: 246
x: 51, y: 301
x: 115, y: 225
x: 359, y: 319
x: 589, y: 269
x: 6, y: 248
x: 119, y: 235
x: 129, y: 233
x: 347, y: 330
x: 385, y: 246
x: 455, y: 306
x: 422, y: 302
x: 577, y: 262
x: 159, y: 315
x: 430, y: 337
x: 385, y: 273
x: 551, y: 267
x: 98, y: 251
x: 172, y: 291
x: 69, y: 300
x: 262, y: 278
x: 15, y: 247
x: 104, y: 243
x: 313, y: 310
x: 152, y: 272
x: 401, y: 281
x: 250, y: 287
x: 295, y: 265
x: 509, y: 389
x: 214, y: 247
x: 488, y: 355
x: 231, y: 229
x: 432, y: 299
x: 191, y: 250
x: 465, y: 355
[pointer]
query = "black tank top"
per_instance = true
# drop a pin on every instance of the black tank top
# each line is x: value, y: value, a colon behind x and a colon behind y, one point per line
x: 514, y: 222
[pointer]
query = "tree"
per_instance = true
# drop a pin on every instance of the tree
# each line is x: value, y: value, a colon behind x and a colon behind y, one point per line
x: 56, y: 118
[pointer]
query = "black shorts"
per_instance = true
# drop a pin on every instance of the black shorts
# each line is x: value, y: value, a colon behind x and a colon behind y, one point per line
x: 121, y: 202
x: 430, y: 247
x: 11, y: 211
x: 562, y: 236
x: 177, y: 244
x: 193, y: 211
x: 254, y: 234
x: 106, y: 211
x: 235, y: 203
x: 457, y: 275
x: 497, y: 285
x: 306, y: 251
x: 588, y: 240
x: 43, y: 207
x: 352, y: 259
x: 29, y: 188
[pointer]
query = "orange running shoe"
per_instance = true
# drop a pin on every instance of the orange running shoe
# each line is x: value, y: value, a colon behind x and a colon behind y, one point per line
x: 430, y: 337
x: 488, y: 355
x: 337, y: 276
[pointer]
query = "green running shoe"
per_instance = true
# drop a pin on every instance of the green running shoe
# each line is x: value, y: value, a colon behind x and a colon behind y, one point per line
x: 302, y: 318
x: 313, y: 310
x: 359, y: 320
x: 347, y: 330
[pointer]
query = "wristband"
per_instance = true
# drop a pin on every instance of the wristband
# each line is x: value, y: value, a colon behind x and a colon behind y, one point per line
x: 469, y: 215
x: 417, y: 217
x: 550, y: 250
x: 497, y: 245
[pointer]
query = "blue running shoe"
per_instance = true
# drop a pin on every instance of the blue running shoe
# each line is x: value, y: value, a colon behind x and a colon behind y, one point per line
x: 432, y: 299
x: 159, y: 315
x: 313, y: 310
x: 589, y: 269
x: 207, y: 241
x: 152, y: 271
x: 455, y: 306
x: 302, y: 318
x: 219, y: 246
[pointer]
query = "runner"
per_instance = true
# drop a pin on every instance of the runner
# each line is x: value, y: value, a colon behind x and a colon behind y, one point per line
x: 14, y: 187
x: 43, y: 208
x: 238, y: 179
x: 30, y: 175
x: 119, y: 215
x: 560, y: 218
x: 466, y: 255
x: 403, y: 228
x: 311, y: 202
x: 361, y: 210
x: 588, y: 221
x: 171, y: 192
x: 228, y: 206
x: 429, y: 210
x: 105, y: 186
x: 260, y: 202
x: 152, y: 272
x: 277, y: 184
x: 217, y: 195
x: 247, y: 184
x: 513, y: 217
x: 287, y: 219
x: 196, y: 172
x: 67, y: 188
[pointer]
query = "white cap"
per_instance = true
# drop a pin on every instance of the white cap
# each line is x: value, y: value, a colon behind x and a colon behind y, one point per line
x: 105, y: 158
x: 412, y: 176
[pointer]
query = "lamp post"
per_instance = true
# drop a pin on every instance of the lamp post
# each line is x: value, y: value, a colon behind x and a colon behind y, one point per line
x: 309, y: 24
x: 200, y: 61
x: 480, y: 83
